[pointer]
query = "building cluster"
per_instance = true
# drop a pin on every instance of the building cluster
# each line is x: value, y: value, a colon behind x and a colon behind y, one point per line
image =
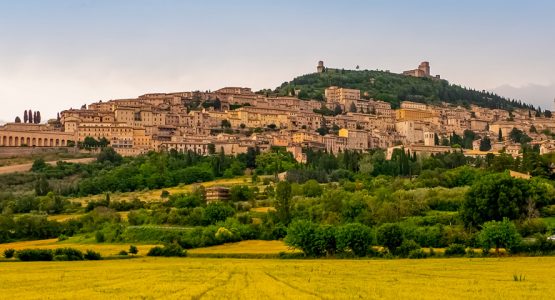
x: 232, y: 119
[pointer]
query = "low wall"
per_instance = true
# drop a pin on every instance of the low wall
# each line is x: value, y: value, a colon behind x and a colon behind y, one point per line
x: 28, y: 151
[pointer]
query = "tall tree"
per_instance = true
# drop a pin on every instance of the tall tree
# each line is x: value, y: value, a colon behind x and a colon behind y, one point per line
x: 500, y: 135
x: 283, y: 201
x: 25, y: 117
x: 17, y: 119
x: 30, y: 116
x: 38, y: 117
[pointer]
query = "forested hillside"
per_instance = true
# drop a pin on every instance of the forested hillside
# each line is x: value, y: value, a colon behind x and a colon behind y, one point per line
x: 393, y: 88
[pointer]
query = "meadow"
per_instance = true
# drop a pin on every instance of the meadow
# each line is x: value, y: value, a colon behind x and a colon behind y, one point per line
x: 196, y: 278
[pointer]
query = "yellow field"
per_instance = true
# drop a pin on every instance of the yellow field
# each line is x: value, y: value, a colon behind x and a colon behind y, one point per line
x: 246, y: 247
x: 154, y: 195
x: 263, y: 209
x: 195, y: 278
x: 105, y: 249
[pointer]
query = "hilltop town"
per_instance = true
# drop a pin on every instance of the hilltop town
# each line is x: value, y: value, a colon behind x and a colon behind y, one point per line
x: 233, y: 119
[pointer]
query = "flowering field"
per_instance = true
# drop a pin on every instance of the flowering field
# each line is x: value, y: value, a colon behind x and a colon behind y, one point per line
x: 196, y: 278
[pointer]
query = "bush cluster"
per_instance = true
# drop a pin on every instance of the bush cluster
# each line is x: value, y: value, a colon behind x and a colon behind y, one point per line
x: 167, y: 250
x: 60, y: 254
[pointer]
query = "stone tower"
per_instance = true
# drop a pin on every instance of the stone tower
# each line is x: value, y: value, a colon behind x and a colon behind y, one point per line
x: 425, y: 67
x: 429, y: 138
x: 320, y: 68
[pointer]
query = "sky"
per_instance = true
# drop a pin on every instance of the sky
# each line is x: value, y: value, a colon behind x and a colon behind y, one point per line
x: 58, y: 54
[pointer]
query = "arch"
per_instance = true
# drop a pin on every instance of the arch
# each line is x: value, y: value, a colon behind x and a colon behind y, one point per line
x: 51, y: 142
x: 28, y: 141
x: 40, y: 142
x: 34, y: 142
x: 57, y: 142
x: 10, y: 141
x: 16, y: 141
x: 63, y: 143
x: 3, y: 141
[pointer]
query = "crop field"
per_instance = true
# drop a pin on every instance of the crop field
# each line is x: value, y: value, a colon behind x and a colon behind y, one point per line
x: 106, y: 249
x: 246, y: 247
x: 196, y: 278
x: 154, y: 195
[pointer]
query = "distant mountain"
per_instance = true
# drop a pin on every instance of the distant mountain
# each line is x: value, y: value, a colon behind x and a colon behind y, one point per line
x: 394, y: 88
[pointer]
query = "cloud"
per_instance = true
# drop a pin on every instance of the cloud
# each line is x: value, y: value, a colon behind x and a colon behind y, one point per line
x: 536, y: 94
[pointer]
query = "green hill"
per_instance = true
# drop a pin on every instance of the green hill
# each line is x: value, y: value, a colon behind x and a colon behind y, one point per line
x: 393, y: 88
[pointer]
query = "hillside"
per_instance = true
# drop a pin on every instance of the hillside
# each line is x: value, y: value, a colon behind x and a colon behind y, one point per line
x: 394, y: 88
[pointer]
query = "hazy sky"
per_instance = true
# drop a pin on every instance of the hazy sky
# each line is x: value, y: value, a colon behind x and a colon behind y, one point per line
x: 60, y: 54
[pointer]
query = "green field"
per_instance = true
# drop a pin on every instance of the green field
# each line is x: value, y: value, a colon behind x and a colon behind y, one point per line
x: 196, y: 278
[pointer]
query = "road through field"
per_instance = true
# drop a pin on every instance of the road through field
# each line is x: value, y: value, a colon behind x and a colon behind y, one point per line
x: 205, y: 278
x: 27, y: 167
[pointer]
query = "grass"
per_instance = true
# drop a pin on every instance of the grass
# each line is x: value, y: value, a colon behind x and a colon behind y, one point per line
x: 196, y: 278
x: 550, y: 221
x: 80, y: 243
x: 47, y: 156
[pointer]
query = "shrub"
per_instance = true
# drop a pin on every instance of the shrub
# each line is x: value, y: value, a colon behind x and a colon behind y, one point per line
x: 406, y: 247
x: 69, y: 253
x: 9, y: 253
x: 122, y: 252
x: 62, y: 237
x: 35, y: 255
x: 168, y: 250
x: 99, y: 236
x: 390, y: 236
x: 92, y: 255
x: 133, y: 249
x: 455, y: 250
x: 532, y: 226
x: 417, y: 254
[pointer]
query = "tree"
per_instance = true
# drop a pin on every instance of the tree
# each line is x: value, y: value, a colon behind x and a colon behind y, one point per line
x: 500, y: 135
x: 90, y: 142
x: 307, y: 236
x: 337, y: 110
x: 216, y: 212
x: 353, y: 107
x: 109, y: 155
x: 283, y: 201
x: 38, y: 118
x: 25, y: 116
x: 547, y: 113
x: 533, y: 129
x: 518, y: 136
x: 455, y: 140
x: 211, y: 148
x: 17, y: 120
x: 498, y: 196
x: 499, y: 234
x: 356, y: 237
x: 30, y: 116
x: 225, y: 124
x: 312, y: 188
x: 390, y: 235
x: 485, y: 144
x: 41, y: 186
x: 38, y: 165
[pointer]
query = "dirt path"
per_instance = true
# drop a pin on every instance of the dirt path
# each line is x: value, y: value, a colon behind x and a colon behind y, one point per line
x: 27, y: 167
